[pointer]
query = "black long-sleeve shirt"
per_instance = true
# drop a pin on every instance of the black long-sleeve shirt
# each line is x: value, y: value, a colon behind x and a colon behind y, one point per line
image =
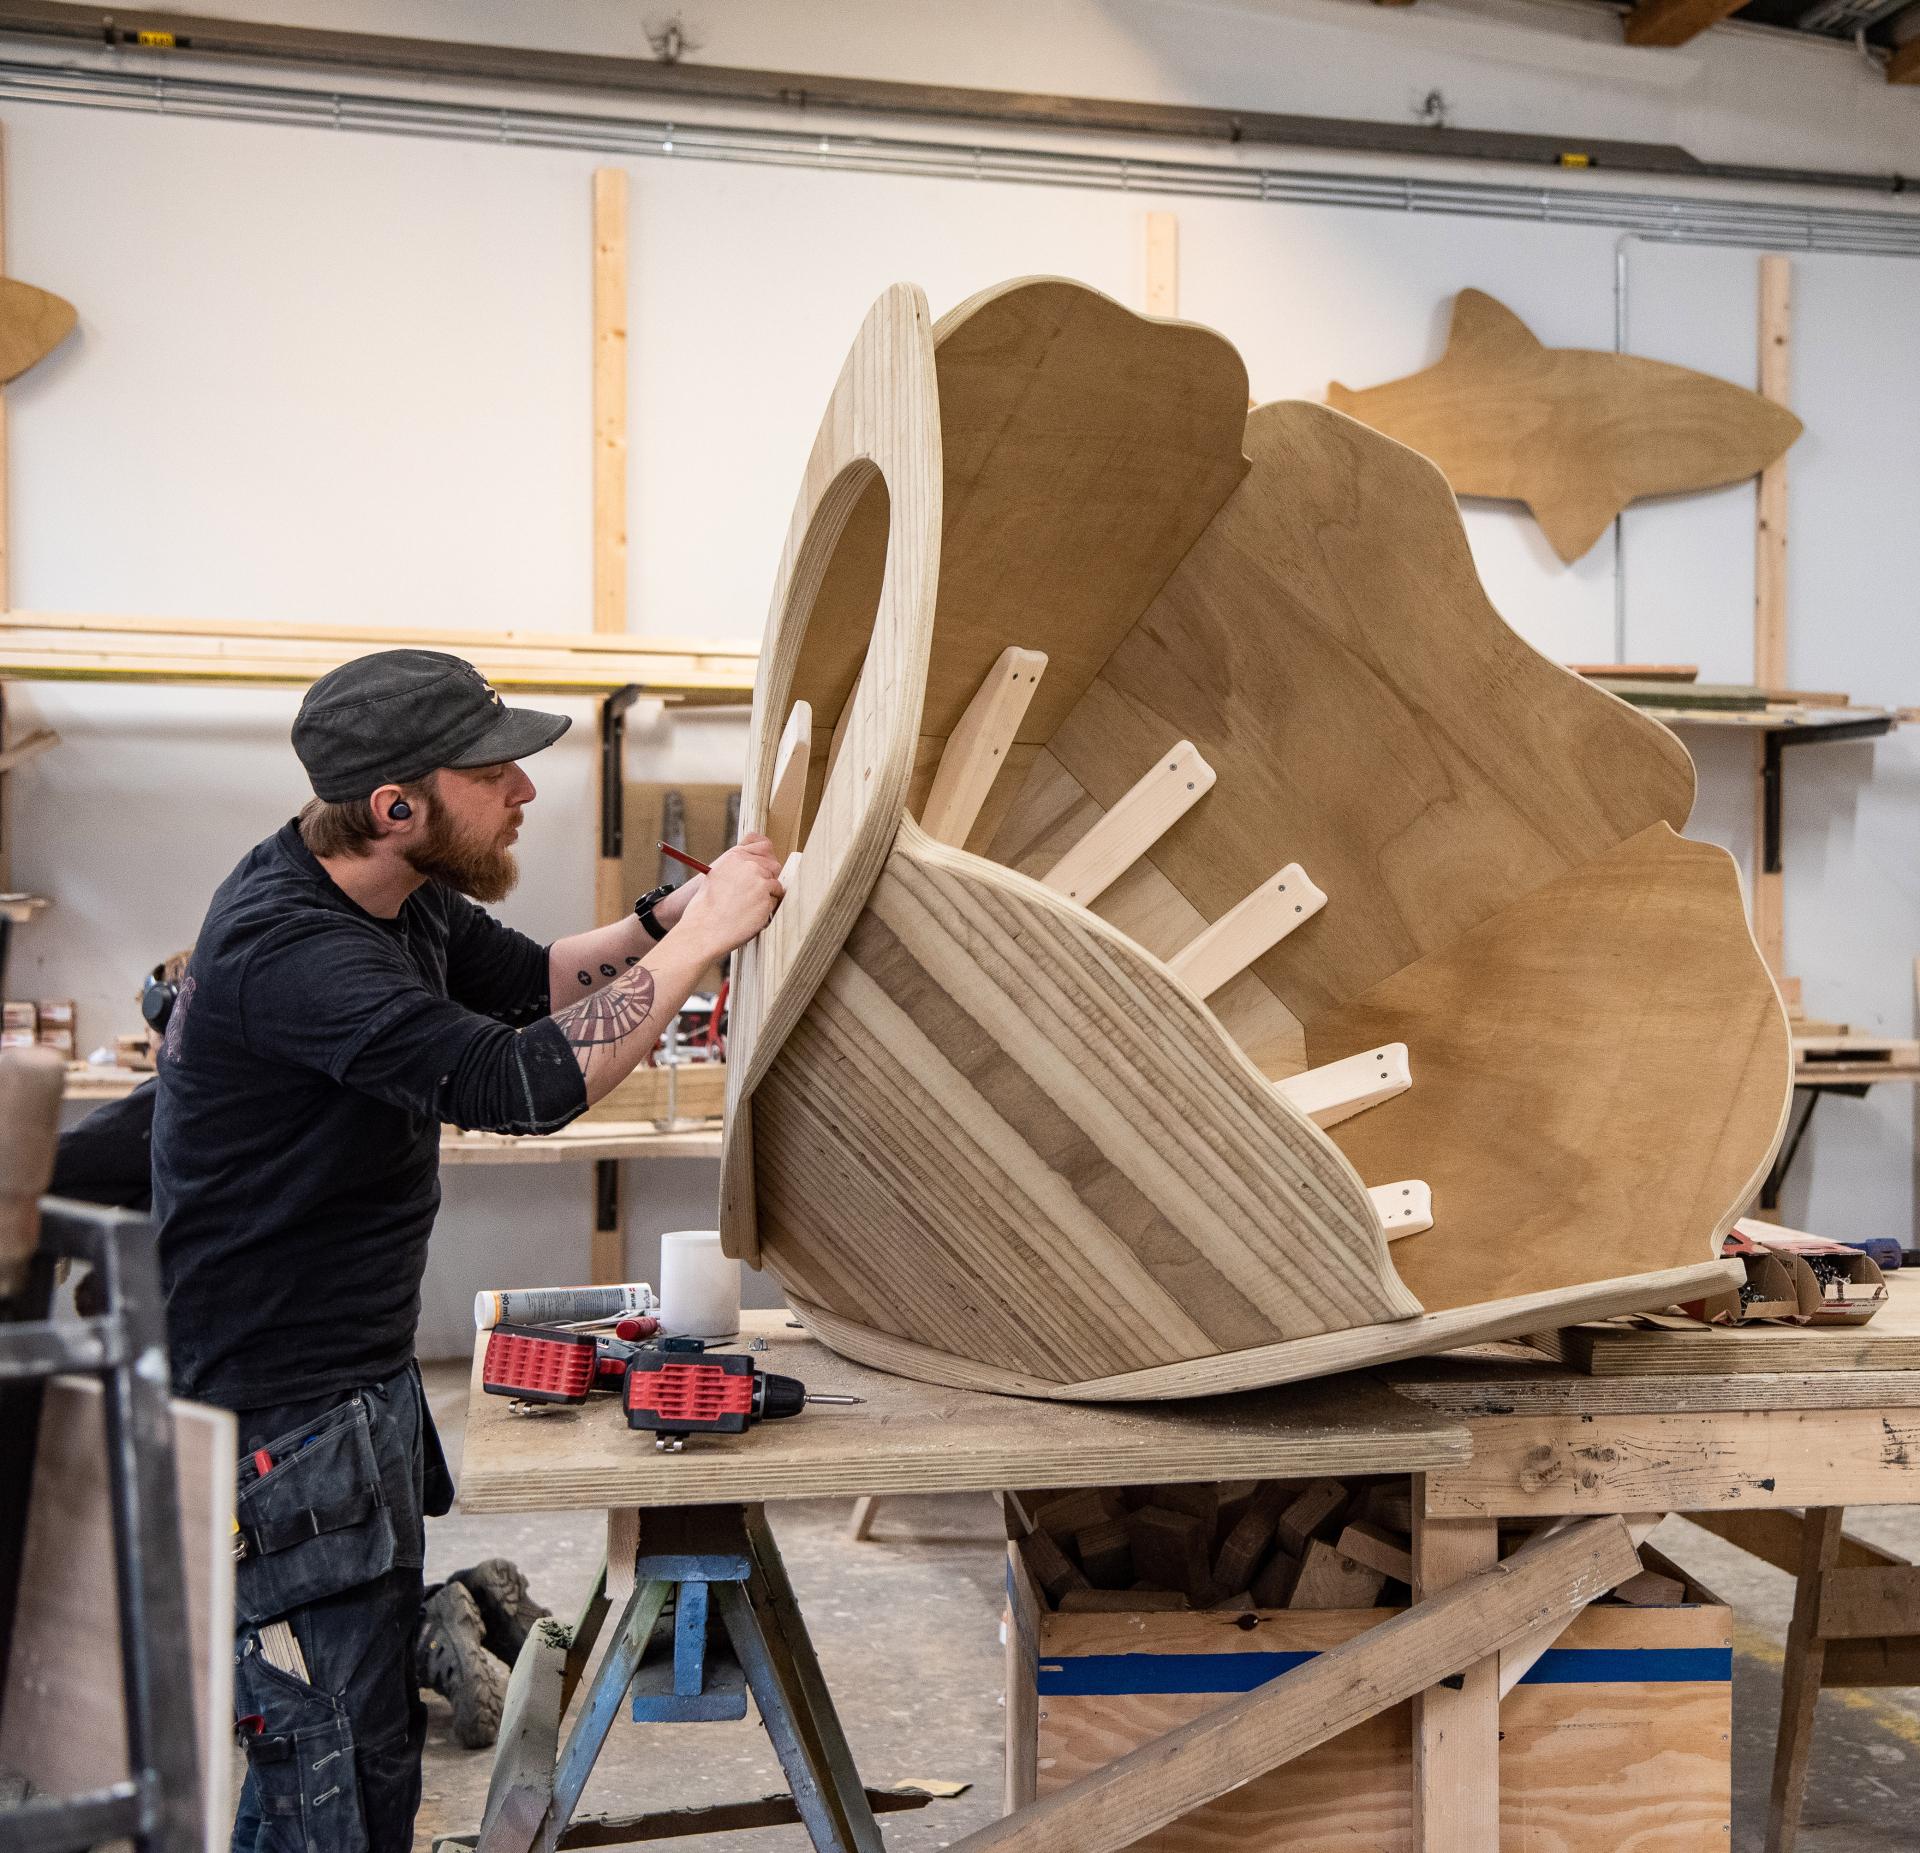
x: 310, y: 1059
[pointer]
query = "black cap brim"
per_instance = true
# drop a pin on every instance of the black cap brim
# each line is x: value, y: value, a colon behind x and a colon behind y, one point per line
x: 515, y: 734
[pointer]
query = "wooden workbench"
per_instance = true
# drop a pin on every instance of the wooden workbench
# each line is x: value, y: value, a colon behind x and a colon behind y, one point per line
x: 909, y: 1437
x: 1495, y: 1433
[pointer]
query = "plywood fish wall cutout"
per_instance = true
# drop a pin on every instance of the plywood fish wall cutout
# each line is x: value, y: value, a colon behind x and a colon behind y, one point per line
x: 1574, y: 433
x: 33, y: 322
x: 1194, y: 887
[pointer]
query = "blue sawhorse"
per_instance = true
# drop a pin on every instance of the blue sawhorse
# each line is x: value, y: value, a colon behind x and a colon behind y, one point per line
x: 695, y: 1565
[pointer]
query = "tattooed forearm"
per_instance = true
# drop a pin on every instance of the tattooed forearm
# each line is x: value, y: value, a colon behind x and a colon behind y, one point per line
x: 607, y: 1016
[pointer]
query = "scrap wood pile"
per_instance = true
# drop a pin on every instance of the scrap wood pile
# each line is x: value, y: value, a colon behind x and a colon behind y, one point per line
x: 1242, y: 1544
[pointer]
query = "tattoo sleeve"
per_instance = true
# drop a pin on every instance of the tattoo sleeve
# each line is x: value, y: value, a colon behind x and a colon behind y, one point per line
x: 607, y: 1016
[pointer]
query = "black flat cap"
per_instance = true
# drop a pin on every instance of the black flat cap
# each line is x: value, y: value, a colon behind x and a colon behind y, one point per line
x: 395, y: 716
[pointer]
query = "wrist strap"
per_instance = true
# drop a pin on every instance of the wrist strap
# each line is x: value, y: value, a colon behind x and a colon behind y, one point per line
x: 643, y: 910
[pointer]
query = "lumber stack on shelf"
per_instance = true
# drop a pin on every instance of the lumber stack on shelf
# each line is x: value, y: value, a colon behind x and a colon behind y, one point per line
x: 49, y: 647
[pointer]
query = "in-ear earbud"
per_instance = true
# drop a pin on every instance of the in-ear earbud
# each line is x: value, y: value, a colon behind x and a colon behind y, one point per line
x: 399, y: 809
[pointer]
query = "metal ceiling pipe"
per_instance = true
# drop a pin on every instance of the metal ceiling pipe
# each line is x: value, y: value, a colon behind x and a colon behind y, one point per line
x: 161, y: 34
x: 1709, y: 220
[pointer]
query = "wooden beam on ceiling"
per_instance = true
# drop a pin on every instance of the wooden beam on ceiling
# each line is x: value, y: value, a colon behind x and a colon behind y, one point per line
x: 1674, y: 22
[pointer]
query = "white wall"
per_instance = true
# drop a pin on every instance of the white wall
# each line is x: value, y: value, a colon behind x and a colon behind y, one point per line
x: 335, y: 376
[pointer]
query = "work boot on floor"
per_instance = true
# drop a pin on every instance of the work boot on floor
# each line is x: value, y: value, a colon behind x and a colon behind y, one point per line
x: 450, y: 1651
x: 505, y: 1606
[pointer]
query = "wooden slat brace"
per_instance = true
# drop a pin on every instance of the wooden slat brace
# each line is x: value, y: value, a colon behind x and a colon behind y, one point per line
x: 789, y: 790
x: 1406, y: 1208
x: 1140, y: 816
x: 976, y: 750
x: 1338, y: 1090
x: 1248, y: 930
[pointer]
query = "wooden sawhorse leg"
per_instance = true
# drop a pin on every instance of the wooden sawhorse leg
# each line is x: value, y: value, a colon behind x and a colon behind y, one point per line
x: 1800, y: 1677
x: 726, y: 1556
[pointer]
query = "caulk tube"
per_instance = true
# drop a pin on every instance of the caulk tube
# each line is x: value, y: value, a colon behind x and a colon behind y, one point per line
x: 561, y: 1305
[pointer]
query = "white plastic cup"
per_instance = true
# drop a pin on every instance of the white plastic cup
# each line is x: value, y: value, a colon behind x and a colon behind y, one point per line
x: 699, y: 1286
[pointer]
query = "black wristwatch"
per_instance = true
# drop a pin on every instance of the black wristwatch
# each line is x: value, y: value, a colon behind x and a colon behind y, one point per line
x: 643, y: 910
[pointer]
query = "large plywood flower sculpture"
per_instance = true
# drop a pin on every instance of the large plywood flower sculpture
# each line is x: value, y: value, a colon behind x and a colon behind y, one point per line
x: 1197, y: 878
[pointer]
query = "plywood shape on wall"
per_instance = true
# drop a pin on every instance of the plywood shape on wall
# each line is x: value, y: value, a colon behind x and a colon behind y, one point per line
x: 1574, y: 433
x: 1595, y: 1072
x: 999, y: 1117
x: 1328, y: 647
x: 33, y: 323
x: 1083, y: 450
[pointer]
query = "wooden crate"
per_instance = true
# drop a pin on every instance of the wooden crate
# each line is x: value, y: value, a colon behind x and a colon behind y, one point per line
x: 1620, y: 1736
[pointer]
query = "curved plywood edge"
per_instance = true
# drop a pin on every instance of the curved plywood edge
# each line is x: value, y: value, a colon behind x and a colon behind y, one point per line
x: 1574, y: 433
x: 33, y: 322
x: 1085, y: 448
x: 880, y: 427
x: 1001, y: 1125
x: 1602, y: 1072
x: 1327, y: 645
x: 1229, y: 1373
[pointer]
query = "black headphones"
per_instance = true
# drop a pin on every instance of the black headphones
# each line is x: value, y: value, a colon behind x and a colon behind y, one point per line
x: 399, y: 808
x: 158, y: 995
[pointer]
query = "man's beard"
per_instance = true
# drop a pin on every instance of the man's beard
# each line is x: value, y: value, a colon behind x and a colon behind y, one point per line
x: 485, y: 871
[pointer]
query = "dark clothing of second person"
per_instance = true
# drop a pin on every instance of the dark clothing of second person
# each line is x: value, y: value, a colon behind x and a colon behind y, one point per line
x: 311, y: 1056
x: 108, y: 1157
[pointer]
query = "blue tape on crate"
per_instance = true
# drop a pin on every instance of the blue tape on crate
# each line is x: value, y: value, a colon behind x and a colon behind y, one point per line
x: 1116, y: 1675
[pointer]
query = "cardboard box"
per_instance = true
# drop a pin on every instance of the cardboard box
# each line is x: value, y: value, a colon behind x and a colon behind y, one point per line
x: 18, y: 1015
x: 58, y: 1014
x: 54, y: 1037
x: 17, y: 1038
x: 1627, y: 1720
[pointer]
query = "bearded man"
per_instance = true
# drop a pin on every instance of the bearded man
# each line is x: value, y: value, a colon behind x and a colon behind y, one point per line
x: 344, y: 999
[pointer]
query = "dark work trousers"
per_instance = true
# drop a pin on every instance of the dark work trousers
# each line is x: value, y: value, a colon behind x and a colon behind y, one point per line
x: 332, y: 1497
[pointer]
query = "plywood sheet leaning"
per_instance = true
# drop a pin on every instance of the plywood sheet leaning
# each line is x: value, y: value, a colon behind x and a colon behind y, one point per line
x: 63, y: 1720
x: 989, y: 1136
x: 1574, y: 433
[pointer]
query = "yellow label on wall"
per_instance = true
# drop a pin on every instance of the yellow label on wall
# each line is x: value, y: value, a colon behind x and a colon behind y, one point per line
x: 1576, y: 160
x: 159, y: 41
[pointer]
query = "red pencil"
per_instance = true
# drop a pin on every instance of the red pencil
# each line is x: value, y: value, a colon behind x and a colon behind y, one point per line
x: 680, y: 855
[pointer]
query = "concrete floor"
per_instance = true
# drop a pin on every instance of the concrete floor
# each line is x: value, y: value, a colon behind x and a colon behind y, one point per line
x: 907, y: 1625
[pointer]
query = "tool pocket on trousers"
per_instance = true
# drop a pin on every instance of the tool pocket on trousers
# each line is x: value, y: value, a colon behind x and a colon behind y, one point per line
x: 313, y: 1520
x: 306, y: 1788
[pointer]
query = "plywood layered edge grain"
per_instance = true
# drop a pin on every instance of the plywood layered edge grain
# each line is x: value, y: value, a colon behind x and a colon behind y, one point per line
x: 1293, y: 1362
x: 1035, y: 1121
x: 881, y: 426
